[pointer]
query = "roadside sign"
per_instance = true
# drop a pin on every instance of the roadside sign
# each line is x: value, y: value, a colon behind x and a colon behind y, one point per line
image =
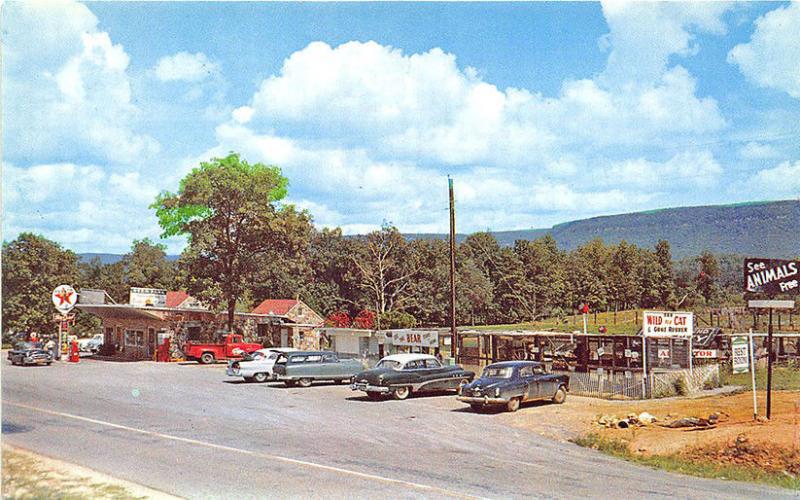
x: 415, y: 338
x: 741, y: 355
x: 770, y: 304
x: 705, y: 353
x: 64, y: 298
x: 668, y: 324
x: 772, y: 276
x: 147, y: 297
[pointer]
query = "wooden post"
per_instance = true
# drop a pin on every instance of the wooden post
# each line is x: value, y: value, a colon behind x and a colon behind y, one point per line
x: 456, y: 348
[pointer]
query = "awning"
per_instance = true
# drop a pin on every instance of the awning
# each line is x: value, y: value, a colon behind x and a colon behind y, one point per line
x: 119, y: 311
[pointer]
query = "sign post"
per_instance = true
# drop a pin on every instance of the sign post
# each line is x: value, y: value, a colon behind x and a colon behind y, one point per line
x: 64, y: 298
x: 753, y: 375
x: 771, y: 277
x: 585, y: 310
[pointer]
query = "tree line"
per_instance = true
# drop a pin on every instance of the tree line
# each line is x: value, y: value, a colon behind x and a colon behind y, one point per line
x: 244, y: 244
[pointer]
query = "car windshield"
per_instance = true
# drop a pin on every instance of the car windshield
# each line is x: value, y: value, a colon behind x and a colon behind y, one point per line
x: 29, y: 345
x: 389, y: 363
x: 498, y: 372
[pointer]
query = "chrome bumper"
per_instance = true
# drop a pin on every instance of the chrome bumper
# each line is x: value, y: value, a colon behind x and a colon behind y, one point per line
x: 233, y: 373
x: 483, y: 400
x: 361, y: 386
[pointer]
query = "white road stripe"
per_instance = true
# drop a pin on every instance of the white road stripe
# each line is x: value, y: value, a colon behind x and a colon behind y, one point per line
x: 294, y: 461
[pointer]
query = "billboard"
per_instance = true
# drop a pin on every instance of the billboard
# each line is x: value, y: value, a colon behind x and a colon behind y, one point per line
x: 668, y: 324
x: 771, y: 276
x: 148, y: 297
x: 415, y: 338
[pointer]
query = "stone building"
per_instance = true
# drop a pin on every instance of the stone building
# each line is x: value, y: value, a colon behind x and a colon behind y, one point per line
x: 300, y: 326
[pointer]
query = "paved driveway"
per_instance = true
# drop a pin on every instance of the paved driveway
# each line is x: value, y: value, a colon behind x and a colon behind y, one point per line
x: 190, y: 430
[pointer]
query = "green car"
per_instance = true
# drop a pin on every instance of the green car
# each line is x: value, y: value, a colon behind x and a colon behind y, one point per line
x: 304, y: 367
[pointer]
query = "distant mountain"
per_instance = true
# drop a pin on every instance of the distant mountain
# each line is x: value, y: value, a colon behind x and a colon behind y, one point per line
x: 759, y: 229
x: 110, y: 258
x: 763, y: 229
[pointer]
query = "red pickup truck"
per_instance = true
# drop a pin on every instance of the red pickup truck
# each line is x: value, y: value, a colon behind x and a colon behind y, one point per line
x: 208, y: 353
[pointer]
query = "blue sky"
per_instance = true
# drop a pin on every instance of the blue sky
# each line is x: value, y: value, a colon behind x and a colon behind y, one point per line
x: 542, y: 112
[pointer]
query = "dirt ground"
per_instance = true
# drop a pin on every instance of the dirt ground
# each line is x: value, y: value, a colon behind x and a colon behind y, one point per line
x: 735, y: 439
x: 29, y: 475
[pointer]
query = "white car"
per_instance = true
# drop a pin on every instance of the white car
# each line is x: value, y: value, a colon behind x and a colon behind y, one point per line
x: 257, y: 366
x: 92, y: 344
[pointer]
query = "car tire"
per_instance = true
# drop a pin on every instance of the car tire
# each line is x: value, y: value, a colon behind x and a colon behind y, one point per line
x: 560, y: 396
x: 304, y: 382
x: 402, y: 393
x: 260, y: 377
x: 207, y: 358
x: 513, y: 405
x: 289, y: 383
x: 375, y: 396
x: 338, y: 381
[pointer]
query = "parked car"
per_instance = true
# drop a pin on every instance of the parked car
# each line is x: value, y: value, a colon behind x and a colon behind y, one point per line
x: 304, y: 367
x: 257, y: 366
x: 30, y: 353
x: 91, y: 344
x: 511, y: 383
x: 402, y: 374
x: 232, y: 346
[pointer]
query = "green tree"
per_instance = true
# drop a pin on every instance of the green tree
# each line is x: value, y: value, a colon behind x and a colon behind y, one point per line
x: 146, y: 265
x: 32, y: 267
x: 706, y: 281
x: 231, y: 212
x: 397, y: 319
x: 665, y: 273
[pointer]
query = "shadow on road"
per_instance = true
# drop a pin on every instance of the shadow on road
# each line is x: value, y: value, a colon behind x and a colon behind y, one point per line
x: 497, y: 409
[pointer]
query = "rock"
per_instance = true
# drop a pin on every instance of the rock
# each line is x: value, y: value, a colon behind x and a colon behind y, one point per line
x: 645, y: 418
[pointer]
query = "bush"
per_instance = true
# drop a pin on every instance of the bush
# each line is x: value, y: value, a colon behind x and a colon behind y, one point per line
x: 681, y: 386
x: 397, y: 319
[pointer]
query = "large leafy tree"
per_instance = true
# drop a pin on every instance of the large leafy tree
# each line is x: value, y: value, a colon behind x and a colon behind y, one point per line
x: 231, y: 212
x: 146, y: 265
x: 32, y: 267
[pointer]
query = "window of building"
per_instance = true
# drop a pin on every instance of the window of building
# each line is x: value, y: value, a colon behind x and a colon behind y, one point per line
x: 134, y: 338
x: 363, y: 345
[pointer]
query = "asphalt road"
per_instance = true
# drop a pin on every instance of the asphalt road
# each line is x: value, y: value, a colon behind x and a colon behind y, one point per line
x: 191, y: 431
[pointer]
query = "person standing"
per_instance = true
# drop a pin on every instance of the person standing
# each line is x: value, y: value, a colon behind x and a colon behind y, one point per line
x: 51, y: 346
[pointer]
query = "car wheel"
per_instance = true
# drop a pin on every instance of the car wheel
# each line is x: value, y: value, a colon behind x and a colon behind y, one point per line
x: 49, y: 363
x: 560, y: 396
x: 402, y: 393
x: 462, y: 383
x: 289, y: 383
x: 476, y: 407
x: 375, y: 396
x: 260, y: 377
x: 338, y: 381
x: 513, y: 405
x: 304, y: 382
x: 207, y: 358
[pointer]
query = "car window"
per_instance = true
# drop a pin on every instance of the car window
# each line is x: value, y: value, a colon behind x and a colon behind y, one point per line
x: 281, y: 360
x: 329, y: 358
x: 538, y: 370
x: 432, y: 363
x: 412, y: 365
x: 314, y: 358
x: 388, y: 363
x: 497, y: 372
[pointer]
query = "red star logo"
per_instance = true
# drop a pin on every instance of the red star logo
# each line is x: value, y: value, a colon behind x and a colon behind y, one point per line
x: 64, y: 296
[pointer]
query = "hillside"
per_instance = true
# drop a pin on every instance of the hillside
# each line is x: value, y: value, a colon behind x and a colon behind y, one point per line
x: 764, y: 229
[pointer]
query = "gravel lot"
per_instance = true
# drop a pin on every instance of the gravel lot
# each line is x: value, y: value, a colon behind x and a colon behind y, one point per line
x: 191, y: 431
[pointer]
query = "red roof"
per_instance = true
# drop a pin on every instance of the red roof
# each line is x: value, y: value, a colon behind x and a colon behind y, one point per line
x: 275, y: 306
x: 176, y: 298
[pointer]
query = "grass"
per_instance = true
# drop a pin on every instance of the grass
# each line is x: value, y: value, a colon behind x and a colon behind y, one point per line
x: 784, y: 378
x: 675, y: 463
x: 26, y: 477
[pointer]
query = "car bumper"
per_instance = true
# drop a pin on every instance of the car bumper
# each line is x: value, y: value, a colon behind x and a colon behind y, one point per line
x: 483, y: 400
x: 36, y: 361
x: 233, y: 373
x: 361, y: 386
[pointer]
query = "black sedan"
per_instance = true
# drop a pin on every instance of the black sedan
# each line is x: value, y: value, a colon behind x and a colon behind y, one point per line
x: 511, y: 383
x: 402, y: 374
x: 30, y: 353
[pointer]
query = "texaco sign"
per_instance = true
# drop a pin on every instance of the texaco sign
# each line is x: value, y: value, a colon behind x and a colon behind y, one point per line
x: 64, y: 298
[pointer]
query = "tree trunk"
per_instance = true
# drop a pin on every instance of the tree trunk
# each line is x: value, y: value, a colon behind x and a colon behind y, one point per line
x: 231, y: 310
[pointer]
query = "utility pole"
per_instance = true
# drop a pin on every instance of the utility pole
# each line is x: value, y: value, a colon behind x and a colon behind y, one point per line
x: 454, y: 347
x: 769, y: 366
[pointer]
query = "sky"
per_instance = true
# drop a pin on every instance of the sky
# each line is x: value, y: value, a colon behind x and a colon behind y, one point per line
x: 541, y: 113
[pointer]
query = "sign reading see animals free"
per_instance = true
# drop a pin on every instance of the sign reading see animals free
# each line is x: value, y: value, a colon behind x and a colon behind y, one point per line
x: 772, y: 276
x: 668, y: 324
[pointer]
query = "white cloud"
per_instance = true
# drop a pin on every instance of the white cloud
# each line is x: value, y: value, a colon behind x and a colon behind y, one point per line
x: 772, y: 56
x: 75, y: 97
x: 242, y: 114
x: 757, y: 151
x: 185, y: 67
x: 690, y: 168
x: 783, y: 179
